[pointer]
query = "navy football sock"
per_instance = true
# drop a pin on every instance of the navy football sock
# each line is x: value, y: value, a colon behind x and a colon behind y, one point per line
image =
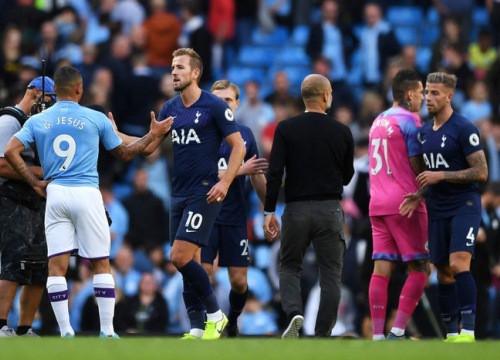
x: 200, y: 284
x: 467, y: 293
x: 236, y: 304
x: 449, y: 307
x: 194, y: 307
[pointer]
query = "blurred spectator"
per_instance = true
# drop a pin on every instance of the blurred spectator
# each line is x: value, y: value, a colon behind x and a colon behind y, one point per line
x: 48, y: 45
x: 478, y: 108
x: 162, y: 30
x: 332, y: 40
x: 493, y: 81
x: 345, y: 115
x: 281, y: 112
x: 253, y: 112
x: 454, y: 62
x: 79, y: 293
x: 372, y: 104
x: 28, y: 18
x: 255, y: 320
x: 119, y: 64
x: 342, y: 93
x: 89, y: 64
x: 148, y: 219
x: 126, y: 277
x: 195, y: 36
x: 378, y: 44
x: 142, y: 94
x: 129, y: 13
x: 280, y: 11
x: 158, y: 176
x: 461, y: 10
x: 221, y: 25
x: 482, y: 54
x: 393, y: 66
x: 246, y: 15
x: 146, y: 312
x: 118, y: 215
x: 493, y: 7
x: 10, y: 56
x: 451, y: 34
x: 281, y: 94
x: 68, y: 24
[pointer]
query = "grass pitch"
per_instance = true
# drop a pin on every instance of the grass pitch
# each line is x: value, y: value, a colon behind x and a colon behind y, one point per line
x: 86, y: 348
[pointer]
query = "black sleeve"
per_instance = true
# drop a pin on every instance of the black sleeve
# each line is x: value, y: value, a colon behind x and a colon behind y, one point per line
x: 314, y: 46
x: 348, y: 165
x: 275, y: 170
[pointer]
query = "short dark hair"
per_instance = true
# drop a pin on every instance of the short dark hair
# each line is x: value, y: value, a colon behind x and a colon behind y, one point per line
x: 195, y: 61
x: 404, y: 81
x: 65, y: 77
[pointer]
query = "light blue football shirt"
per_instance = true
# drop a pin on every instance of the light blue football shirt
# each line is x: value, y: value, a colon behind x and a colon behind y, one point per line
x: 67, y: 140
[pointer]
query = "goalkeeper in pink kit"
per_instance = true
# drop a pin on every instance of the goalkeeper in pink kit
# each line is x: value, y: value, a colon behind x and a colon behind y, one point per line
x: 395, y: 160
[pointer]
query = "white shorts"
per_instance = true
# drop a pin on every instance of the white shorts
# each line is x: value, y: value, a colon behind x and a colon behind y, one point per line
x: 75, y: 220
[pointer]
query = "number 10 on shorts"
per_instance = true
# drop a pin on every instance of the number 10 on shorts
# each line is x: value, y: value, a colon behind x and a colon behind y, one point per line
x: 194, y: 220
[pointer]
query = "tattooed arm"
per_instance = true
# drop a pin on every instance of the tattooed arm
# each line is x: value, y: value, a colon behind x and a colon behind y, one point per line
x: 13, y: 155
x: 125, y: 151
x: 477, y: 171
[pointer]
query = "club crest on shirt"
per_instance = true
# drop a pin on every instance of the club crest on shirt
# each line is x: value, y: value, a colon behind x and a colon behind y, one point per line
x: 443, y: 139
x: 197, y: 120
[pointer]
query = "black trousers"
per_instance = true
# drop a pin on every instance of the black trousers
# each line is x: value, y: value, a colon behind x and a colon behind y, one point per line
x: 319, y: 222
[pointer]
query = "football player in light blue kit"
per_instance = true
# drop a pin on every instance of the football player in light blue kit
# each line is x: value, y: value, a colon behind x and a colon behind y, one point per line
x: 67, y: 140
x: 455, y: 163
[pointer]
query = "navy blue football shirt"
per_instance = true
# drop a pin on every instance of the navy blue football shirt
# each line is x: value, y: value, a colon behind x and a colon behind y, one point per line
x: 197, y: 133
x: 233, y: 210
x: 446, y: 149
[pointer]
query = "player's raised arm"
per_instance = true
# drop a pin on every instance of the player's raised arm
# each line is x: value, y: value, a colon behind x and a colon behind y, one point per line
x: 158, y: 129
x: 218, y: 192
x: 128, y: 139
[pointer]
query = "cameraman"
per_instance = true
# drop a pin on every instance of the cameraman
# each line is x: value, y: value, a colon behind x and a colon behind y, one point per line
x: 22, y: 235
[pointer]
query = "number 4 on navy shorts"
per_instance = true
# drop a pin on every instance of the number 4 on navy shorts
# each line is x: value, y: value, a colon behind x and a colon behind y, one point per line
x: 450, y: 235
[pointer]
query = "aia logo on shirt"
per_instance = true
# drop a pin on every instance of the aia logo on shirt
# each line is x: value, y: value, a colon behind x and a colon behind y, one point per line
x: 435, y: 161
x: 185, y: 137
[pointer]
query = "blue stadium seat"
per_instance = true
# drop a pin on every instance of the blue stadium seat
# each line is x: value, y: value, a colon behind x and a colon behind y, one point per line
x: 256, y: 56
x: 407, y: 35
x: 423, y: 58
x: 279, y: 37
x: 240, y: 75
x: 405, y: 15
x: 292, y: 55
x: 433, y: 17
x: 480, y: 17
x: 300, y: 35
x: 429, y: 35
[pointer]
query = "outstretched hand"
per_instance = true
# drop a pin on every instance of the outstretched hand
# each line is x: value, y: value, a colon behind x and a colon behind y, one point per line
x: 254, y: 166
x: 159, y: 128
x: 410, y: 203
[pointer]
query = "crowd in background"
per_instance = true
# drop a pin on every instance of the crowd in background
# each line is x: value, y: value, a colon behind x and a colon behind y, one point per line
x: 123, y: 48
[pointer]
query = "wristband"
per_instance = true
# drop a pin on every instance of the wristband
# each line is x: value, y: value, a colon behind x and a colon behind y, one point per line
x: 269, y: 213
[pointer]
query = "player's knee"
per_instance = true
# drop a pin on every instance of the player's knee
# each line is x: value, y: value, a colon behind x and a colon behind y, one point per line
x: 238, y: 284
x: 178, y: 259
x: 420, y: 266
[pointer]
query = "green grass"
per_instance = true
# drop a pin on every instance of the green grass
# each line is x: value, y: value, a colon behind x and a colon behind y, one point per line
x: 87, y: 348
